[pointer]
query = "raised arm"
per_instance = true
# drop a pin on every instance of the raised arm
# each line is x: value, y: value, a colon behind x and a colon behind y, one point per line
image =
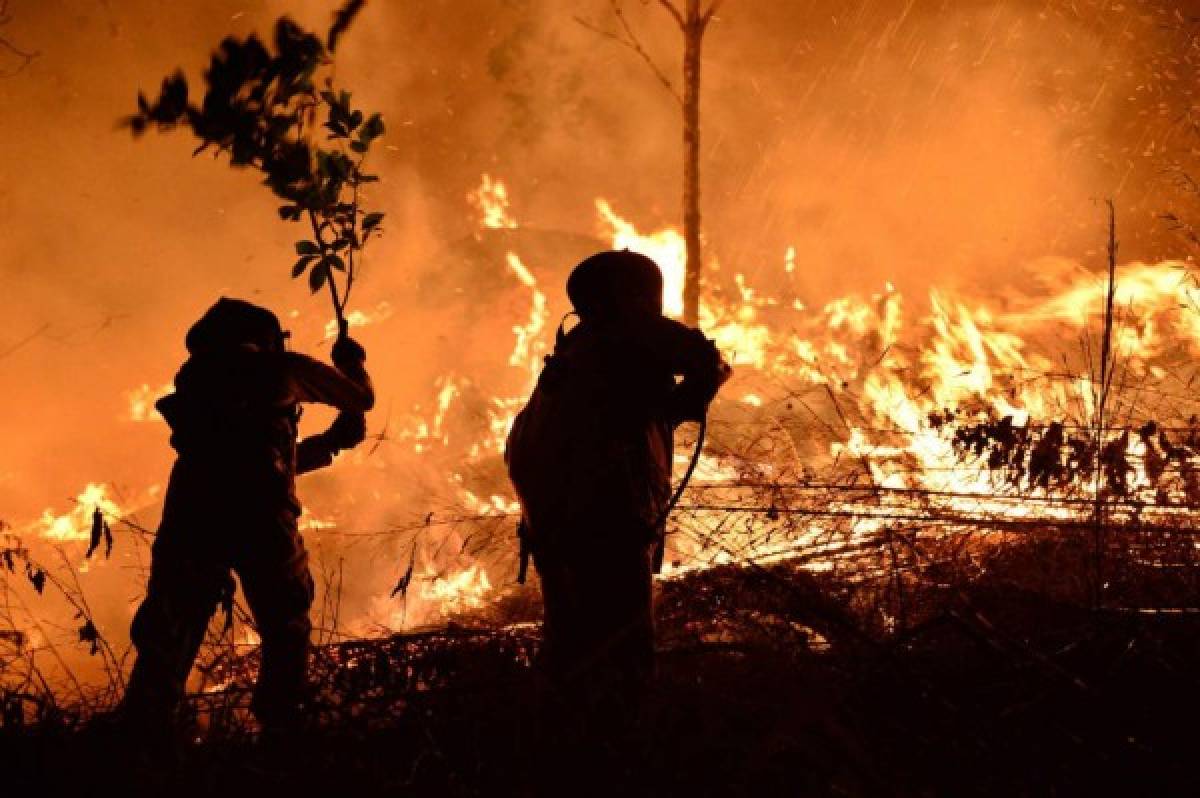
x: 686, y: 352
x: 347, y: 387
x: 317, y: 451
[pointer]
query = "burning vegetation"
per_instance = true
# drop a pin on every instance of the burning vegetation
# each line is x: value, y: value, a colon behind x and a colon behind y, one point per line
x: 955, y: 525
x: 873, y: 473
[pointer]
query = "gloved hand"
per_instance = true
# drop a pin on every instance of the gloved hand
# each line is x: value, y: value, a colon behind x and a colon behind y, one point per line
x: 348, y: 351
x: 347, y: 431
x: 690, y: 399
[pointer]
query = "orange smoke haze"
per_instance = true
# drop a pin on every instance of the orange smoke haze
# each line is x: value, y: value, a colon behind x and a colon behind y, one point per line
x: 919, y: 143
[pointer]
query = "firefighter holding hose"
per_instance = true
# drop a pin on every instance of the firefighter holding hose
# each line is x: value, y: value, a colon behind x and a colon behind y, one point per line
x: 231, y: 505
x: 590, y: 457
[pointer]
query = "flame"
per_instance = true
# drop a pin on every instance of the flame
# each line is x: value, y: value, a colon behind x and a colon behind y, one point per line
x: 141, y: 402
x: 875, y: 369
x: 76, y: 523
x: 309, y: 522
x: 527, y: 349
x: 466, y: 589
x: 359, y: 318
x: 665, y: 247
x: 490, y: 199
x: 839, y: 408
x: 891, y: 375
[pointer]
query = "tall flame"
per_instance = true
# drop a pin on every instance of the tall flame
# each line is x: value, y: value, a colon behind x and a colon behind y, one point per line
x: 490, y: 199
x: 665, y: 247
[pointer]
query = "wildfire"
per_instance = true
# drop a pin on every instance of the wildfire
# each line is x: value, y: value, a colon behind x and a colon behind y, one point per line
x: 309, y: 522
x: 466, y: 589
x: 869, y: 391
x: 878, y: 373
x: 665, y: 247
x: 141, y: 402
x: 490, y: 199
x: 528, y: 348
x: 76, y: 523
x: 884, y: 382
x: 359, y: 318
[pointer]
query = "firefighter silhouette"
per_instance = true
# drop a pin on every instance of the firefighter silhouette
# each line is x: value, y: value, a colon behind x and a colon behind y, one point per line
x: 231, y: 504
x: 590, y: 457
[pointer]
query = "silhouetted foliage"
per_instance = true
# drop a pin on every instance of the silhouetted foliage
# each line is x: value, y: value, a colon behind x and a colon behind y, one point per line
x: 261, y: 108
x: 100, y: 531
x: 90, y: 635
x: 401, y: 587
x: 342, y: 20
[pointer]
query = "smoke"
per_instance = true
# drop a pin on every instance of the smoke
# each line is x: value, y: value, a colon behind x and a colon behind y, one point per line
x: 917, y: 142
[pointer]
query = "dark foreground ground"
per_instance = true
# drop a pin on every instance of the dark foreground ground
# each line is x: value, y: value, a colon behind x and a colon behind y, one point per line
x: 998, y: 689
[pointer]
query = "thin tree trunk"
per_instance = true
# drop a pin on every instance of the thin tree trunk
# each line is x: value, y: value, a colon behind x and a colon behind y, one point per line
x: 693, y: 35
x: 1106, y: 369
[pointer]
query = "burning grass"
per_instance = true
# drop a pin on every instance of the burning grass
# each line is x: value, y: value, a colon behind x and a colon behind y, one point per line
x: 926, y: 551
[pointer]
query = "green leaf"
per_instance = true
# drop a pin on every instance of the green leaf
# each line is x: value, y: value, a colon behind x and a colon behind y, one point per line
x: 37, y: 577
x: 333, y: 260
x: 373, y: 128
x: 371, y: 221
x: 307, y: 248
x: 89, y: 634
x: 341, y: 244
x: 340, y: 166
x: 318, y: 276
x: 289, y: 212
x: 302, y: 264
x: 359, y: 146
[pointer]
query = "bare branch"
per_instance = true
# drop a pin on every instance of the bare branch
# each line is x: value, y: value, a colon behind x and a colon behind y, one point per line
x: 27, y: 339
x: 26, y: 56
x: 712, y: 10
x: 675, y: 12
x: 629, y: 39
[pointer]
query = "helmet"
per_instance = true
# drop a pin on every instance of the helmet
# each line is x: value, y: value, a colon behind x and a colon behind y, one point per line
x: 232, y: 323
x: 613, y: 282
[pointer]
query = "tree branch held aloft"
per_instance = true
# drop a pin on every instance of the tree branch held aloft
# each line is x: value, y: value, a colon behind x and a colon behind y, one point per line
x: 260, y: 107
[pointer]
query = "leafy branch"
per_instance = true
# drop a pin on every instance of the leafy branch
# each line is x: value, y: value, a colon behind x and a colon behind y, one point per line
x: 261, y: 108
x: 16, y: 559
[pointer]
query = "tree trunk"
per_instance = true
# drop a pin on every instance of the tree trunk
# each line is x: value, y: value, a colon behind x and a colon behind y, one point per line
x: 693, y: 36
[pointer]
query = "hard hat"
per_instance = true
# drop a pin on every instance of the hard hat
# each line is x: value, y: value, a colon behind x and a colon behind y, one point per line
x: 610, y: 282
x: 232, y: 323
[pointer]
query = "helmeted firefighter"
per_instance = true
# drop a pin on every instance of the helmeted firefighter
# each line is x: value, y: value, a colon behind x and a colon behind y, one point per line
x: 590, y: 457
x: 231, y: 504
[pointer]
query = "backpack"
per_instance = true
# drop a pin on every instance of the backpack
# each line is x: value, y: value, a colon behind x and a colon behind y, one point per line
x: 539, y: 447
